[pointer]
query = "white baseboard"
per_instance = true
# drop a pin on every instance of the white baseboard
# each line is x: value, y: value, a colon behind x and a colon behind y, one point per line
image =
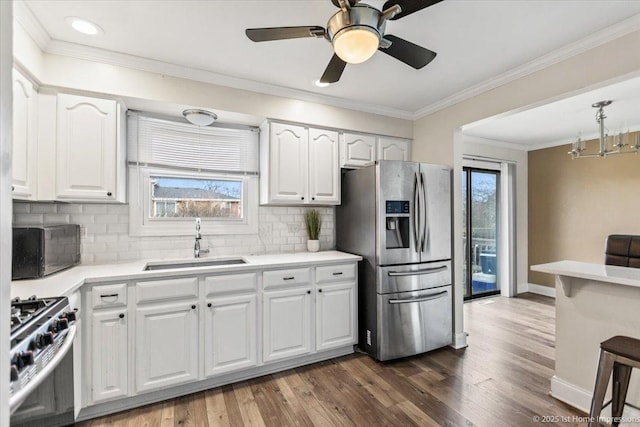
x: 460, y: 340
x: 581, y: 399
x: 541, y: 290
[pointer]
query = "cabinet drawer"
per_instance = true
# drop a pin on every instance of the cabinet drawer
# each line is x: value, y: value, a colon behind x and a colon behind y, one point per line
x: 157, y: 290
x: 336, y: 273
x: 103, y: 296
x: 230, y: 283
x: 280, y: 278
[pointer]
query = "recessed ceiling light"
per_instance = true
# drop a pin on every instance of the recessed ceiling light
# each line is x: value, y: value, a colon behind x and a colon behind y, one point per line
x: 318, y: 83
x: 83, y: 26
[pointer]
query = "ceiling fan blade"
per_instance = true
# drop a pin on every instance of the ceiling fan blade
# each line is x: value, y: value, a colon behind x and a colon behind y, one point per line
x: 407, y: 52
x: 282, y: 33
x: 409, y: 6
x: 334, y: 70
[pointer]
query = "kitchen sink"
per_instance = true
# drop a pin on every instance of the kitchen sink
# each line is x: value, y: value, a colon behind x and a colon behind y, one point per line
x: 192, y: 264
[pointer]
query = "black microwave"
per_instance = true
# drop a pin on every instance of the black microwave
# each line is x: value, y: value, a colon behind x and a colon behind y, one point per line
x: 40, y: 250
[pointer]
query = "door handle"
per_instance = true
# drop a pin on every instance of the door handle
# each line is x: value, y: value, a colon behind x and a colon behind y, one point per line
x: 419, y: 299
x: 418, y: 272
x: 425, y: 215
x: 416, y: 212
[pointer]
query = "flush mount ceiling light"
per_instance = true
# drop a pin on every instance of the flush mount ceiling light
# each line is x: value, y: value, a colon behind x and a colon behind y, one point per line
x: 356, y: 32
x: 199, y: 117
x: 83, y: 26
x: 609, y: 145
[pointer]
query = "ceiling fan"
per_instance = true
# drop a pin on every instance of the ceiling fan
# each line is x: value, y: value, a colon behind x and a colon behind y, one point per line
x: 356, y: 32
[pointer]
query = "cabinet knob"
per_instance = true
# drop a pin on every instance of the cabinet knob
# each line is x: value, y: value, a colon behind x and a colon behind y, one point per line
x: 319, y: 290
x: 313, y: 198
x: 109, y: 193
x: 13, y: 188
x: 302, y: 198
x: 308, y: 292
x: 121, y: 315
x: 209, y: 305
x: 193, y: 307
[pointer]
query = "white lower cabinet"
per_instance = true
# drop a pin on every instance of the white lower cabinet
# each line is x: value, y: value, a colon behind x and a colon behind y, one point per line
x: 166, y: 345
x: 109, y: 355
x: 335, y: 315
x: 230, y: 340
x: 286, y: 323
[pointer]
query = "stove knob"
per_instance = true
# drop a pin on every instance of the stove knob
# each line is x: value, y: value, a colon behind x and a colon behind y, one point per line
x: 47, y: 338
x: 33, y: 345
x: 71, y: 315
x: 14, y: 373
x: 27, y: 358
x: 63, y: 324
x: 39, y: 341
x: 17, y: 362
x: 53, y: 327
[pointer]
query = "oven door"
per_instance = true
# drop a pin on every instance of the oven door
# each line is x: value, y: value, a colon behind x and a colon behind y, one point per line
x: 49, y: 402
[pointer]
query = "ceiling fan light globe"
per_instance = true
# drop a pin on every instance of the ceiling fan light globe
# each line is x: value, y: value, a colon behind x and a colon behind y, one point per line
x: 355, y: 45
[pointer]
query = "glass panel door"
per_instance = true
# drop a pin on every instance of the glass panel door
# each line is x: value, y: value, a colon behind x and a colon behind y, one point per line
x: 480, y: 192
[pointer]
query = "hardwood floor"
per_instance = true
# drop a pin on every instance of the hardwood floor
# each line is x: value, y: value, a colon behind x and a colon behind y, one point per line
x: 501, y: 379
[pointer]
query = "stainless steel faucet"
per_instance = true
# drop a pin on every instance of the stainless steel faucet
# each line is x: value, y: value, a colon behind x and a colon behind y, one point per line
x: 196, y: 248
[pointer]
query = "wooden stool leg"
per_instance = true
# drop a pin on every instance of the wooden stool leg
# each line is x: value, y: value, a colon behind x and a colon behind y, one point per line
x: 605, y: 366
x: 621, y: 375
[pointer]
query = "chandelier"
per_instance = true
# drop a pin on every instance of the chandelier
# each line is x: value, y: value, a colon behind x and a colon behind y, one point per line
x: 609, y: 145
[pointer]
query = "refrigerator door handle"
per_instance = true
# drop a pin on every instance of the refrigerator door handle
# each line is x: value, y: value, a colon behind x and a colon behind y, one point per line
x: 418, y: 272
x: 416, y: 212
x: 420, y: 299
x: 425, y: 216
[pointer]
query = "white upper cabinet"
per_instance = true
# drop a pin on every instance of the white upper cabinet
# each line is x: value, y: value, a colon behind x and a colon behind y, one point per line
x: 324, y: 170
x: 356, y: 150
x: 394, y: 149
x: 88, y: 152
x: 24, y: 162
x: 298, y: 165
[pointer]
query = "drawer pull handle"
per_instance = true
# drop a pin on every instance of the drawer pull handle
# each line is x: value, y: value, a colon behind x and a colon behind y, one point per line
x: 420, y: 299
x: 418, y: 272
x: 109, y: 296
x: 288, y: 278
x: 337, y: 273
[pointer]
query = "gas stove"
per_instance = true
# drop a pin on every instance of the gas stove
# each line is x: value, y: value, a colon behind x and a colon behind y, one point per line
x: 42, y: 332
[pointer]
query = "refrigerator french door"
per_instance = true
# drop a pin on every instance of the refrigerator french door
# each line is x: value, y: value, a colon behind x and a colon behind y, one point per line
x: 397, y: 216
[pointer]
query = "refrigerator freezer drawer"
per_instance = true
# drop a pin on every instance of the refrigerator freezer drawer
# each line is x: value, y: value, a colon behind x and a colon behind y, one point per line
x: 414, y: 322
x: 407, y: 278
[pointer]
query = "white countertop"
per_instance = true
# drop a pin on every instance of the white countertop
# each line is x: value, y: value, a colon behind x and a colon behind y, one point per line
x: 598, y: 272
x: 66, y: 282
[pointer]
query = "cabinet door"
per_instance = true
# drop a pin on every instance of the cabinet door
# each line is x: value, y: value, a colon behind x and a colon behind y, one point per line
x: 335, y: 316
x: 86, y: 154
x: 287, y: 323
x: 356, y: 150
x: 288, y: 153
x: 108, y: 354
x: 230, y: 341
x: 166, y: 345
x: 24, y: 162
x: 394, y: 149
x: 324, y: 170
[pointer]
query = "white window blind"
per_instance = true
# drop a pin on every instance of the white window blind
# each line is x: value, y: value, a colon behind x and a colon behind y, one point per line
x: 156, y: 141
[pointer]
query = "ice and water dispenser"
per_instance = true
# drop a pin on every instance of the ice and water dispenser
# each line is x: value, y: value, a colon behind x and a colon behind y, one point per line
x: 397, y: 224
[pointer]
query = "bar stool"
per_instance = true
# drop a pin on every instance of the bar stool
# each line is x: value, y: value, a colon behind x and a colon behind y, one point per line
x: 618, y: 354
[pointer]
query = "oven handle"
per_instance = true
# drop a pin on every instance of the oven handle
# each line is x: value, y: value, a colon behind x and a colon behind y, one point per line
x: 22, y: 394
x: 419, y: 299
x: 418, y: 272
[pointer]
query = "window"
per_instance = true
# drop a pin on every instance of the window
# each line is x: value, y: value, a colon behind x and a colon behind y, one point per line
x: 179, y: 172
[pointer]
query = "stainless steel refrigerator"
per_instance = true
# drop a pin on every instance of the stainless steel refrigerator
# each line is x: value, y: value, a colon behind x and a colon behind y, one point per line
x: 397, y: 216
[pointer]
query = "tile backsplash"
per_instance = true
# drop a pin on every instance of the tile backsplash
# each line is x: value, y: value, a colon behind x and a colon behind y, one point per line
x: 105, y: 232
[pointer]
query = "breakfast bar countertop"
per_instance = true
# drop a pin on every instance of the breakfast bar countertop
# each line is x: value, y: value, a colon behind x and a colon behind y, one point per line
x: 599, y: 272
x: 68, y: 281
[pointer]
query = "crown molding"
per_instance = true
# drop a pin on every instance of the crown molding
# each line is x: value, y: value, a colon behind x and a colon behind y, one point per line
x: 596, y: 39
x: 495, y: 143
x: 31, y: 25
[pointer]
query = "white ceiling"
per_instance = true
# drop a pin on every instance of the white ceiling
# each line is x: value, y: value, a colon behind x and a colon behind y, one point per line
x: 560, y: 122
x: 475, y: 41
